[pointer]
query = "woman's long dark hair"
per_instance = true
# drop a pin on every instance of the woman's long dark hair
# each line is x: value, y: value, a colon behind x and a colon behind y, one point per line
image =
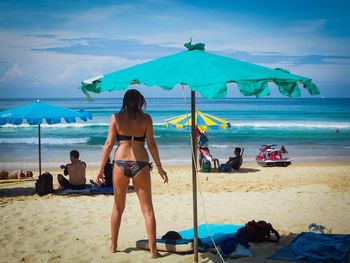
x: 133, y: 103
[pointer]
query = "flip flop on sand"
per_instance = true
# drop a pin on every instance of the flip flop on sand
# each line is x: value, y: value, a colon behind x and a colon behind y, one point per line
x: 93, y: 182
x: 317, y: 228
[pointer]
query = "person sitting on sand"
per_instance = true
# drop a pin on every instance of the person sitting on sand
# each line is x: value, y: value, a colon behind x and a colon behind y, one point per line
x: 108, y: 170
x: 76, y: 171
x: 235, y: 162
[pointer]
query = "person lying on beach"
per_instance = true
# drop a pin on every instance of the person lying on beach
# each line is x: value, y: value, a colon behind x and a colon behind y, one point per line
x: 131, y: 127
x: 4, y: 174
x: 236, y: 161
x: 108, y: 179
x: 17, y: 174
x: 76, y: 171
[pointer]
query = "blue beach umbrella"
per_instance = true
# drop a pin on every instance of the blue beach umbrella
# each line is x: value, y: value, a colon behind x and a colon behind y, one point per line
x: 35, y: 113
x: 207, y: 74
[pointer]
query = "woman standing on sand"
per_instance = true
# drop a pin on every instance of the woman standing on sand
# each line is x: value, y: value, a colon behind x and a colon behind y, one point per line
x: 130, y: 127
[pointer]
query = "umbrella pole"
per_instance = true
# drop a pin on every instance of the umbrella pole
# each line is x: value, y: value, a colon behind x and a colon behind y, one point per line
x: 39, y: 142
x: 194, y: 174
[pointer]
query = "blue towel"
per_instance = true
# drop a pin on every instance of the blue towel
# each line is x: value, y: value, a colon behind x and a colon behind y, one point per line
x: 102, y: 190
x: 89, y: 190
x: 316, y: 247
x: 219, y: 232
x: 85, y: 191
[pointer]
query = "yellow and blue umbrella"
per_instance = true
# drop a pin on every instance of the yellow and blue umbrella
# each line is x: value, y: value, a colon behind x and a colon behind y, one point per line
x: 203, y: 121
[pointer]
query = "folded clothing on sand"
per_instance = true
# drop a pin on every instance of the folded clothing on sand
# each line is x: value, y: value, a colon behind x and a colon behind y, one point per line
x: 315, y: 247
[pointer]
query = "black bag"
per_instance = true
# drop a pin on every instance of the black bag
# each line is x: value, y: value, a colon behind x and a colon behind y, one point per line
x: 172, y: 235
x: 258, y: 232
x: 44, y: 184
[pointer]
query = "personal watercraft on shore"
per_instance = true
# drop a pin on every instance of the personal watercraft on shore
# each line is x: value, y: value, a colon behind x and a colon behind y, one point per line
x: 270, y: 155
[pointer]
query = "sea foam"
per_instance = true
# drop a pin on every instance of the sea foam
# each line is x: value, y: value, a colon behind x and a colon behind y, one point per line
x: 46, y: 141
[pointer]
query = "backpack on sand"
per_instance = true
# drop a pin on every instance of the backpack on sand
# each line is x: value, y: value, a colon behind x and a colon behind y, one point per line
x: 206, y: 166
x: 258, y: 232
x: 43, y: 185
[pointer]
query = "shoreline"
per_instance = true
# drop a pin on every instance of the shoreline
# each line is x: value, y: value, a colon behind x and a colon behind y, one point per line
x: 246, y: 164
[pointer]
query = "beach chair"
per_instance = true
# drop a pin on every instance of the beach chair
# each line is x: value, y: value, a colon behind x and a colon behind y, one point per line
x: 241, y: 161
x: 205, y: 155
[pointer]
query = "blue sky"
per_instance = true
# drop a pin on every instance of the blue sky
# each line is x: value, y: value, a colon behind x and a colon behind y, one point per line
x: 48, y: 47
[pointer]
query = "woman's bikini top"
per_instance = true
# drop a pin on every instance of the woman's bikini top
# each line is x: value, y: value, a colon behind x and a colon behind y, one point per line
x: 127, y: 137
x: 130, y: 138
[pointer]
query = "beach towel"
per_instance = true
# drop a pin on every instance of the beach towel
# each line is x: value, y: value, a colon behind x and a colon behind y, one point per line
x: 102, y: 190
x: 219, y: 233
x: 315, y: 247
x: 92, y: 190
x: 88, y: 191
x: 85, y: 191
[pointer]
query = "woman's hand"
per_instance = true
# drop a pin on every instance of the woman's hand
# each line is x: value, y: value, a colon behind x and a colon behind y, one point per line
x: 100, y: 177
x: 163, y: 174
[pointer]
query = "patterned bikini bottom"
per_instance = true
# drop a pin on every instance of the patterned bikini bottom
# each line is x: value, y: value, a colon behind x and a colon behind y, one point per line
x: 131, y: 168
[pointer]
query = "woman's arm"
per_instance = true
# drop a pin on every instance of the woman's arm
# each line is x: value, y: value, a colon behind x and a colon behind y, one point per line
x: 152, y: 147
x: 112, y: 132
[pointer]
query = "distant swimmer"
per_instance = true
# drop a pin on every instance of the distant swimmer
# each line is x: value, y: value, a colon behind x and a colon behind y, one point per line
x: 337, y: 130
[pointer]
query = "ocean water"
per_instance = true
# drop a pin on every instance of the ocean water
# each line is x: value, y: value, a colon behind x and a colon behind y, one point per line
x: 307, y: 127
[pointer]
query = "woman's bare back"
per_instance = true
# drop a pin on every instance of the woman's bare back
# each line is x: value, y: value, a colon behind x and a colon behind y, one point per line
x: 129, y: 149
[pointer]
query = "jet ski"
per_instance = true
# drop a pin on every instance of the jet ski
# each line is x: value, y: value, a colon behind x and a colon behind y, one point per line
x: 270, y: 155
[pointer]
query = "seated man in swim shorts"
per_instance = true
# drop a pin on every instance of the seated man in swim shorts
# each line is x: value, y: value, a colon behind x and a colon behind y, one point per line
x: 76, y: 171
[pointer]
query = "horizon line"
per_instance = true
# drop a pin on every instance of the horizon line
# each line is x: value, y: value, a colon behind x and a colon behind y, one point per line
x: 267, y: 97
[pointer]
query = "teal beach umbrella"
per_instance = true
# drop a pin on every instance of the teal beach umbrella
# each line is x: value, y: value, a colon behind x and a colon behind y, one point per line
x: 203, y: 72
x: 207, y: 74
x: 36, y: 113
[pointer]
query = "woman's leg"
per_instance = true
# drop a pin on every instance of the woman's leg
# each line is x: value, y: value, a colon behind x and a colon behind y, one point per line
x: 142, y: 184
x: 120, y: 186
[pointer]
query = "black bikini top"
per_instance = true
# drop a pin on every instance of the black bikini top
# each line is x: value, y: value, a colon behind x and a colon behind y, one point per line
x: 130, y: 138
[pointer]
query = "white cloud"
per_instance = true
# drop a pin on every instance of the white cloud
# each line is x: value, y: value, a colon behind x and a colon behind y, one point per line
x: 13, y: 72
x: 169, y: 27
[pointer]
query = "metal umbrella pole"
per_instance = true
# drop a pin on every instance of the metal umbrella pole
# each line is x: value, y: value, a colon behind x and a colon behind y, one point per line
x: 39, y: 140
x: 194, y: 174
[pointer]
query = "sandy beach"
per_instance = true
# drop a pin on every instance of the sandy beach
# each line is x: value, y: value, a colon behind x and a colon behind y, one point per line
x: 58, y: 228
